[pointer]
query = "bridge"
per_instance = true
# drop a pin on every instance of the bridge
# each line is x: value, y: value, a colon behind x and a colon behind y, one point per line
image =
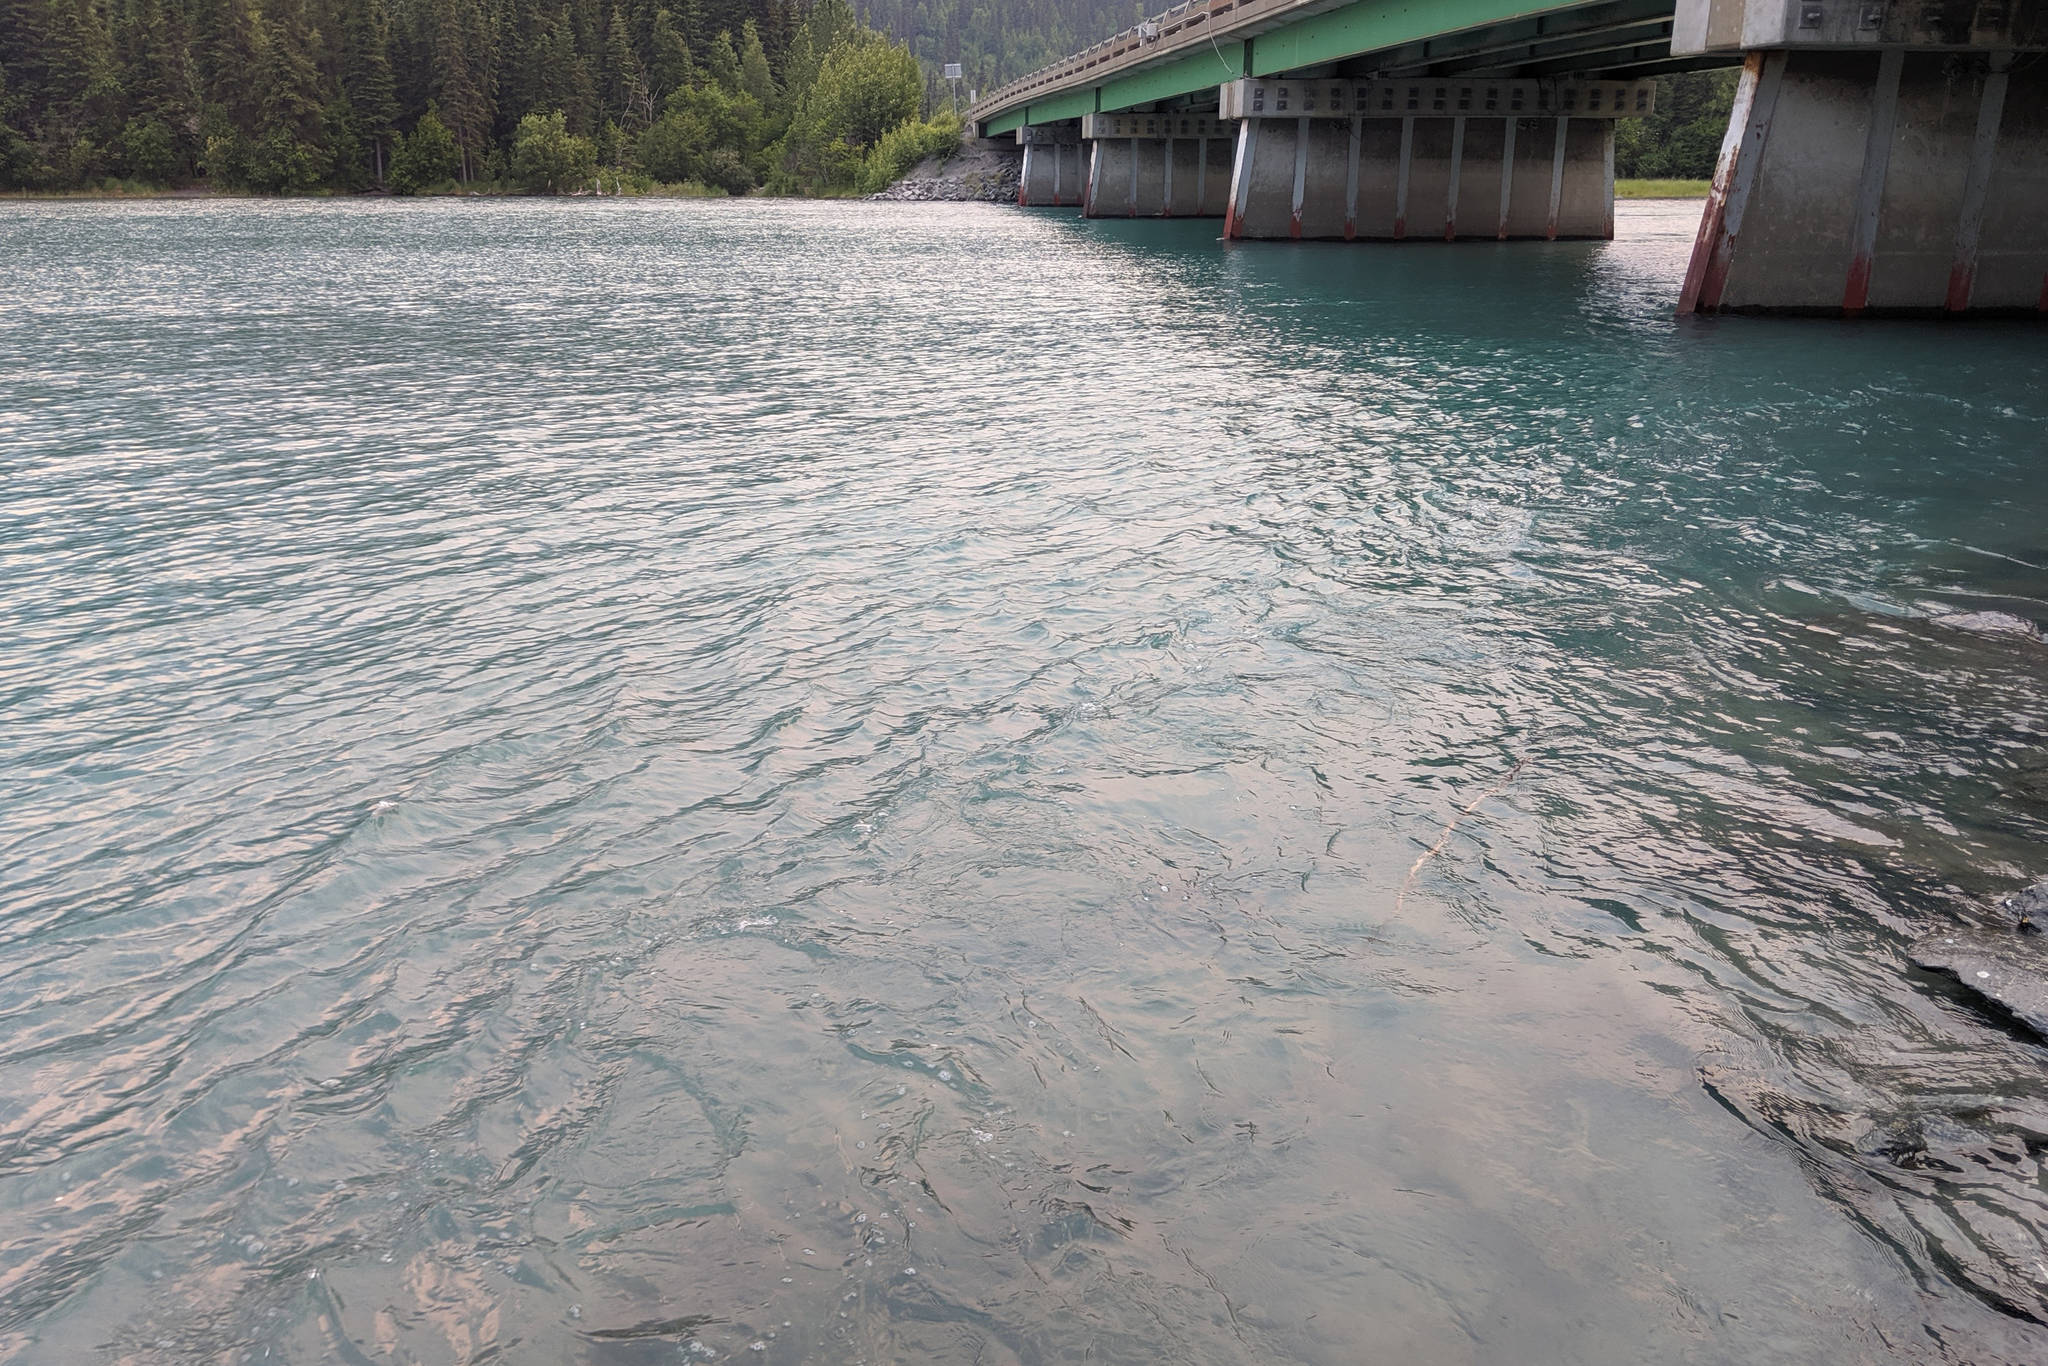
x: 1882, y: 156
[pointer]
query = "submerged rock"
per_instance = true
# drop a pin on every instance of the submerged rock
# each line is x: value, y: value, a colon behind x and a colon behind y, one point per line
x: 2029, y: 906
x: 2003, y: 964
x: 1988, y: 624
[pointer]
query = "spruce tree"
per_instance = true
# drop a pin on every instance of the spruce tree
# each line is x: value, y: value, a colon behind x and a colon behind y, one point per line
x: 462, y: 59
x: 83, y: 114
x: 570, y: 86
x: 722, y: 63
x: 17, y: 157
x: 668, y: 62
x: 156, y: 65
x: 755, y: 79
x: 626, y: 98
x: 229, y: 34
x: 291, y: 145
x: 366, y: 77
x: 287, y: 76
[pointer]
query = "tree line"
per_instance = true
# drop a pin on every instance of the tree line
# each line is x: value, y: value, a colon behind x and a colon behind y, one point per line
x: 799, y: 96
x: 301, y: 95
x: 1681, y: 139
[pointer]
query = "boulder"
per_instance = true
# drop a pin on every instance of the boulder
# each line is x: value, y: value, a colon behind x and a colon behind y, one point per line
x: 1988, y: 624
x: 2003, y: 964
x: 980, y: 173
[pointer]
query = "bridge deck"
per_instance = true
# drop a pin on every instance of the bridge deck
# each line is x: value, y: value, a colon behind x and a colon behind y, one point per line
x: 1199, y: 45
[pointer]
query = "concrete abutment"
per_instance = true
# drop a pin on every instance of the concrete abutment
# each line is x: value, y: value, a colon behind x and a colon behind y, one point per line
x: 1878, y: 159
x: 1055, y: 170
x: 1156, y: 166
x: 1445, y: 159
x: 1891, y: 181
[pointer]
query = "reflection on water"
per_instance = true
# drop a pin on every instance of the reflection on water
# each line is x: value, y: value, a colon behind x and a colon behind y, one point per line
x: 646, y: 782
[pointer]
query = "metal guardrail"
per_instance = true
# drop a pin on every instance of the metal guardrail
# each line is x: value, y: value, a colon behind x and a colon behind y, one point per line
x: 1164, y: 32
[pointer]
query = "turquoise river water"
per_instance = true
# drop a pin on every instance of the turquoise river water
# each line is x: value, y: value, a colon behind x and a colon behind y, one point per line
x: 643, y: 782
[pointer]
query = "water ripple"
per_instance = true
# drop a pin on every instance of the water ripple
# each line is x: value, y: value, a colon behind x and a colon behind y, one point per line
x: 629, y: 781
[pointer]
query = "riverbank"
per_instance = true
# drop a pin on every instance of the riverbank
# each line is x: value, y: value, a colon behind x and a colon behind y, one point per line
x: 617, y: 188
x: 978, y: 171
x: 118, y: 189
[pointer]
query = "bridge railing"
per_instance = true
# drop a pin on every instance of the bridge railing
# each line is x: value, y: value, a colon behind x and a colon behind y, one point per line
x: 1164, y: 31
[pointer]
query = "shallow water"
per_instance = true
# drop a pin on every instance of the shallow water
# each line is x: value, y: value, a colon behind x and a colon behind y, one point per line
x: 647, y: 782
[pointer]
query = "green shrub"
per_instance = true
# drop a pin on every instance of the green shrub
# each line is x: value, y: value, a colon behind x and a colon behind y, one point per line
x: 708, y: 134
x: 903, y: 146
x: 547, y: 158
x: 148, y: 151
x: 76, y: 160
x: 865, y: 87
x: 723, y: 167
x: 426, y: 156
x: 863, y: 90
x: 282, y: 162
x: 226, y: 159
x: 666, y: 150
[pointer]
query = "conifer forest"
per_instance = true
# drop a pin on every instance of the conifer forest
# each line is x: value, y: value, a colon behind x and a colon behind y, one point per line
x: 692, y: 96
x: 298, y: 95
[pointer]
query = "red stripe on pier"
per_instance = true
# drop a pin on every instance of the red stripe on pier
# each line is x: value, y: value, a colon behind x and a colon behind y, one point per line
x: 1856, y: 292
x: 1962, y: 278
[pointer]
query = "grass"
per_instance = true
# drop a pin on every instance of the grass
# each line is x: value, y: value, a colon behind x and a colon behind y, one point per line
x: 687, y: 189
x: 113, y: 188
x: 1661, y: 189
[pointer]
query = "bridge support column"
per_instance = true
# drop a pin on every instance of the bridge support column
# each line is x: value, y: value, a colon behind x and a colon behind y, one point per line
x: 1055, y: 167
x: 1890, y: 181
x: 1444, y: 159
x: 1879, y: 158
x: 1156, y: 166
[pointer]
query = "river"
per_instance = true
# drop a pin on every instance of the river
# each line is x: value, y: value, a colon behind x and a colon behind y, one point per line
x: 645, y: 781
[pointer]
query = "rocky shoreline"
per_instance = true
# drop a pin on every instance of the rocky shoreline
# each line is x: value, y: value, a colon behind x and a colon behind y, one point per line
x: 980, y: 172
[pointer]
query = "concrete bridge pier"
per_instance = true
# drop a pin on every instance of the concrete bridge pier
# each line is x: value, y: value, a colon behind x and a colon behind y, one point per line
x: 1426, y: 158
x: 1055, y: 170
x: 1875, y: 161
x: 1157, y: 165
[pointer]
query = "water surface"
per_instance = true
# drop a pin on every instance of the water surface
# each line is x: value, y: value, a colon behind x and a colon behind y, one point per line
x: 648, y: 782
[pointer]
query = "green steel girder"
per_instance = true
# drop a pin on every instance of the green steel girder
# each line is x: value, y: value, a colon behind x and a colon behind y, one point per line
x: 1365, y: 26
x: 1211, y: 66
x: 1575, y: 53
x: 1374, y: 25
x: 1601, y: 59
x: 1068, y: 104
x: 1431, y: 54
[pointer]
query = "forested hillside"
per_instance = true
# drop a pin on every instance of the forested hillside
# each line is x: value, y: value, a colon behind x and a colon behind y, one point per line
x: 719, y: 95
x: 277, y: 95
x: 999, y: 40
